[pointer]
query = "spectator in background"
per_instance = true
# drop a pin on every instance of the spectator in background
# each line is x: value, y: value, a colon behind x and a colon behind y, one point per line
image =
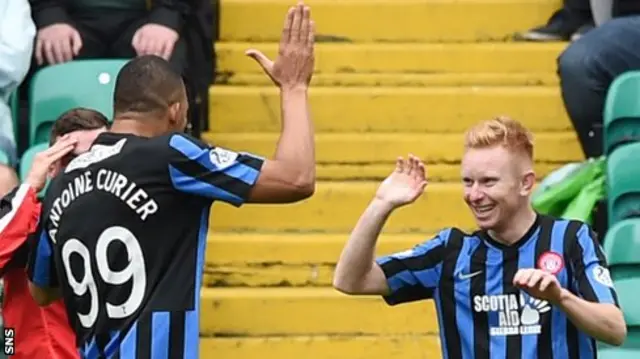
x: 16, y: 43
x: 180, y: 31
x: 588, y: 67
x: 570, y: 22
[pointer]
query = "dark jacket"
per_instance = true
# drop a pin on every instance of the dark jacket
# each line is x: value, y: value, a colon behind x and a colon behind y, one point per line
x: 192, y: 19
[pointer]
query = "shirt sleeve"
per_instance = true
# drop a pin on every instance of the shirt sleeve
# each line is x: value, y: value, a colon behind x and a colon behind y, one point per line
x: 415, y: 273
x: 19, y: 211
x: 212, y: 172
x: 41, y: 266
x: 591, y: 273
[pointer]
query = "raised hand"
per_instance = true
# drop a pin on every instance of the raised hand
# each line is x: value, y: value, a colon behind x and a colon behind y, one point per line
x: 539, y: 284
x: 294, y: 65
x: 48, y: 160
x: 405, y: 184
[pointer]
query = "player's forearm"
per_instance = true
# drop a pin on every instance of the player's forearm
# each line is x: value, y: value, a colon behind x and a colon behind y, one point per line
x: 44, y: 296
x: 356, y: 262
x: 604, y: 322
x: 296, y: 147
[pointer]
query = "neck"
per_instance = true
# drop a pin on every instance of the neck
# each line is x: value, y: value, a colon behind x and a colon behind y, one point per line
x: 517, y: 227
x: 137, y: 125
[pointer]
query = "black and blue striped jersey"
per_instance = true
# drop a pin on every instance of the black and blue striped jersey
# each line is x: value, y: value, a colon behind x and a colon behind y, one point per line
x: 481, y: 314
x: 123, y: 233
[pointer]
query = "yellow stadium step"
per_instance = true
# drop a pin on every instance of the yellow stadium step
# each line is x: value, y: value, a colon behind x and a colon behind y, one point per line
x: 308, y: 311
x: 401, y: 79
x: 377, y: 172
x: 336, y: 206
x: 409, y: 109
x: 322, y: 347
x: 388, y: 20
x: 365, y: 148
x: 282, y: 259
x: 471, y: 58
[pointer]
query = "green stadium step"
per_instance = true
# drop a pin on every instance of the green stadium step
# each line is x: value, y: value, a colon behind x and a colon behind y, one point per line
x: 388, y: 20
x: 322, y: 347
x: 259, y: 260
x: 403, y: 109
x: 336, y: 206
x: 470, y: 59
x: 368, y: 148
x: 401, y: 79
x: 308, y: 311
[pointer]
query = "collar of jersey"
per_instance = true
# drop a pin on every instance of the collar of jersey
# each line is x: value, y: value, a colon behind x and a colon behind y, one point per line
x: 484, y: 235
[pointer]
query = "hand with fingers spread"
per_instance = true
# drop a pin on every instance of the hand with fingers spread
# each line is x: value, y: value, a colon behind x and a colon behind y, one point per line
x: 539, y: 284
x: 45, y: 160
x: 405, y: 184
x: 293, y: 68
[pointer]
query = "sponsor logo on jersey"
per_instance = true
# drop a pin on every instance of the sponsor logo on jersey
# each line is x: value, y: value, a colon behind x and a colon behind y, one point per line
x: 551, y: 262
x: 517, y: 314
x: 222, y: 158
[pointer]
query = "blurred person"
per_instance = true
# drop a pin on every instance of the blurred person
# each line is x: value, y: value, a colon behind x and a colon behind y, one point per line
x: 39, y: 332
x: 523, y: 285
x: 588, y: 67
x: 17, y: 32
x: 571, y: 21
x: 179, y: 31
x: 135, y: 209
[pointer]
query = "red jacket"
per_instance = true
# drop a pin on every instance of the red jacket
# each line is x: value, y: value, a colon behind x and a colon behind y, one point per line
x: 39, y: 332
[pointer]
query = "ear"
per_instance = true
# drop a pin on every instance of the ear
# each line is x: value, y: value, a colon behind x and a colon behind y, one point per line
x: 175, y: 114
x: 528, y: 182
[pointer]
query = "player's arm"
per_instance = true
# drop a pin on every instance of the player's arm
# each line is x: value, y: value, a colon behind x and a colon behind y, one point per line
x: 401, y: 277
x: 19, y: 211
x: 43, y: 280
x: 290, y: 175
x: 596, y: 310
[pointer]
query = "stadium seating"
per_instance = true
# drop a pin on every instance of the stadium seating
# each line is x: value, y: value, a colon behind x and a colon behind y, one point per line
x: 623, y: 187
x: 392, y: 77
x: 621, y: 246
x: 4, y: 158
x: 58, y: 88
x: 622, y: 111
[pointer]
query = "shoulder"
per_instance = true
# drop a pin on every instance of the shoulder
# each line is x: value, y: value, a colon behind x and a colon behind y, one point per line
x: 453, y: 237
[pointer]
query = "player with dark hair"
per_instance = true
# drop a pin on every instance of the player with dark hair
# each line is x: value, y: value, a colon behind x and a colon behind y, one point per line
x: 523, y: 285
x: 124, y: 229
x: 39, y: 332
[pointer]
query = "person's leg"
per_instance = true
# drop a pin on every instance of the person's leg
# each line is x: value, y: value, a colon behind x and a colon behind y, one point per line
x: 587, y: 68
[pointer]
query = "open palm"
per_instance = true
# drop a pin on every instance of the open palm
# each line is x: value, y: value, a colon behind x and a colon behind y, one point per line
x: 405, y: 184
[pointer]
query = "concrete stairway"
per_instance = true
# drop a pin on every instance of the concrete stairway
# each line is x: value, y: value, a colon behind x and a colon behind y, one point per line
x: 393, y: 76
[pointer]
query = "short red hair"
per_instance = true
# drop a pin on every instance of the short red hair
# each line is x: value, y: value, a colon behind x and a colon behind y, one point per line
x: 501, y: 131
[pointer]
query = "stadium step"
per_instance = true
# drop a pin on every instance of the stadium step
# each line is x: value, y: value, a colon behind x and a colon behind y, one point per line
x: 404, y: 109
x: 322, y: 347
x: 442, y: 172
x: 336, y: 206
x: 262, y: 260
x: 388, y: 20
x: 369, y: 148
x: 308, y: 311
x: 424, y: 58
x: 401, y: 79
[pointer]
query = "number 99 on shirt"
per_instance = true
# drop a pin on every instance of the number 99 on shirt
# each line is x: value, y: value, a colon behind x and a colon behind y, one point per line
x: 134, y: 272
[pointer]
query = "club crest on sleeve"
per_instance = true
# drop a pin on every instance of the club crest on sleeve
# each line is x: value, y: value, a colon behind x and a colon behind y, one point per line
x: 551, y: 262
x: 602, y: 276
x: 222, y: 158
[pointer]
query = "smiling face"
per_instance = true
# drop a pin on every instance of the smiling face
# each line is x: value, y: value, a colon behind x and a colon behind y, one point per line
x: 496, y: 185
x: 497, y: 172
